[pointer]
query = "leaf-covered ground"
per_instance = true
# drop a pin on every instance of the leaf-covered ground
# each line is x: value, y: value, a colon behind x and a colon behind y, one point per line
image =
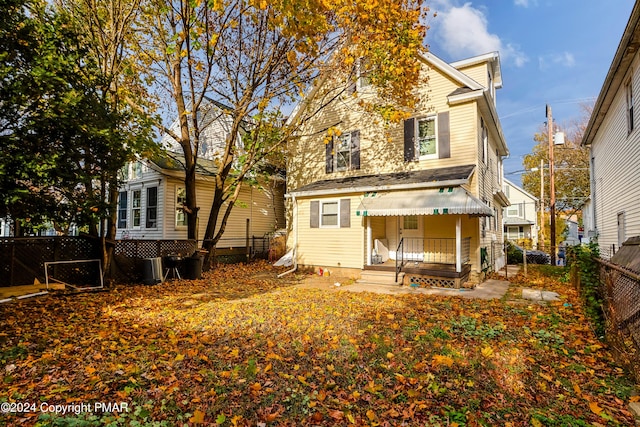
x: 241, y: 347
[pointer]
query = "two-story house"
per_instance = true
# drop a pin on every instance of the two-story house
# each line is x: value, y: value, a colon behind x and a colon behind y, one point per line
x: 152, y: 196
x: 422, y: 198
x: 520, y: 218
x: 613, y: 136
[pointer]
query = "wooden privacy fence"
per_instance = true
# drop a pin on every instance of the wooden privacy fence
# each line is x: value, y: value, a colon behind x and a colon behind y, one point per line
x: 620, y: 290
x: 22, y: 258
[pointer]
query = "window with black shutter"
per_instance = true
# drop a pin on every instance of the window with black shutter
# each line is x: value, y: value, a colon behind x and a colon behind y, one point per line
x: 343, y: 152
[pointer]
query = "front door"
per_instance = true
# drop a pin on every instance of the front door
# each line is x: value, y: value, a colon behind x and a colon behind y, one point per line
x: 411, y: 229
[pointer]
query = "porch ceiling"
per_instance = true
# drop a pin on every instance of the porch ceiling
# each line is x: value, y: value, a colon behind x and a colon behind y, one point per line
x: 432, y: 201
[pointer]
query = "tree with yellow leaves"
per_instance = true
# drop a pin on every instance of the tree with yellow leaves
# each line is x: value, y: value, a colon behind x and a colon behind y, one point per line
x: 258, y: 59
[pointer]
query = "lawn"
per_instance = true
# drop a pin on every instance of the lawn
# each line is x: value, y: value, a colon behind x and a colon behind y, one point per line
x: 242, y: 348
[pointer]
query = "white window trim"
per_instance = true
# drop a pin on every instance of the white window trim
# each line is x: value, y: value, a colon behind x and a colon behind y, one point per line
x: 433, y: 117
x: 175, y: 210
x: 321, y: 217
x: 125, y: 210
x: 133, y: 208
x: 360, y: 77
x: 147, y: 207
x: 629, y: 113
x: 336, y: 144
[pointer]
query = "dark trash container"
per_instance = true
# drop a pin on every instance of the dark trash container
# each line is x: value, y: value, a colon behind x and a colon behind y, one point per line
x: 151, y: 271
x: 193, y: 267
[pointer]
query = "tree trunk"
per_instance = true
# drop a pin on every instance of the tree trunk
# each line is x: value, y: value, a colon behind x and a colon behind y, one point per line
x: 108, y: 240
x: 210, y: 239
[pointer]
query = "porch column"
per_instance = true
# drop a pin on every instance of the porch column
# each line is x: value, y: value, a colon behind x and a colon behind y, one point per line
x: 369, y: 243
x: 459, y: 244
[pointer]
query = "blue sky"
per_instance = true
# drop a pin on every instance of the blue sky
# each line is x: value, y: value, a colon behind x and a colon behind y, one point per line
x: 551, y: 51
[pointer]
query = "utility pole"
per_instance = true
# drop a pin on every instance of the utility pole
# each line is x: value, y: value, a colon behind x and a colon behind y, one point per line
x: 541, y: 236
x: 552, y: 189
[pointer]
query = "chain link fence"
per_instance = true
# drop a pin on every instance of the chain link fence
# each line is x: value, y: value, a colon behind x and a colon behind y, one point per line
x: 620, y: 292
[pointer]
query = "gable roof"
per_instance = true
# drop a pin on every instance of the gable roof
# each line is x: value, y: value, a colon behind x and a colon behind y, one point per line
x: 493, y: 58
x: 522, y: 190
x: 450, y: 71
x: 173, y: 164
x: 627, y: 49
x: 428, y: 178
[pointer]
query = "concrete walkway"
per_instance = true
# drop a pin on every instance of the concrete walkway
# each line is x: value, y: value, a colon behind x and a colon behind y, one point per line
x: 489, y: 289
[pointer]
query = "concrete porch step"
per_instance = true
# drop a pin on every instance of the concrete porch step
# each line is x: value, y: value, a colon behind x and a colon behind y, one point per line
x: 380, y: 278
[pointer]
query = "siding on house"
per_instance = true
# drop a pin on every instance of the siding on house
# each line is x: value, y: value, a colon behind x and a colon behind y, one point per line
x: 616, y: 168
x: 382, y: 151
x: 263, y: 206
x: 478, y: 72
x: 615, y: 151
x: 331, y: 247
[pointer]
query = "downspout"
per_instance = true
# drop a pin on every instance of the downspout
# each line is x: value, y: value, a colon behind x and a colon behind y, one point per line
x: 295, y: 238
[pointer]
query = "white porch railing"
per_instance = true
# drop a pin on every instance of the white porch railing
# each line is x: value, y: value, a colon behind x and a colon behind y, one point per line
x: 433, y: 251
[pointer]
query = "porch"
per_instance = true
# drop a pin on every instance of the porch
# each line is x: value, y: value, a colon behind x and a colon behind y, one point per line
x: 429, y: 262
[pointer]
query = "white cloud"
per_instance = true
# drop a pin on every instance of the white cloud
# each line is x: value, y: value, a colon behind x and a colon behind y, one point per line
x: 525, y: 3
x: 564, y: 59
x: 463, y: 32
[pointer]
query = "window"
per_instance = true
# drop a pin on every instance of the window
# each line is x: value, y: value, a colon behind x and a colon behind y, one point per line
x: 629, y: 95
x: 181, y: 200
x: 329, y: 214
x: 410, y: 222
x: 424, y: 140
x: 485, y: 140
x: 426, y: 132
x: 122, y: 209
x: 152, y: 207
x: 124, y: 172
x: 136, y: 199
x: 515, y: 210
x: 136, y: 170
x: 343, y: 152
x: 363, y: 73
x: 621, y: 229
x: 515, y: 232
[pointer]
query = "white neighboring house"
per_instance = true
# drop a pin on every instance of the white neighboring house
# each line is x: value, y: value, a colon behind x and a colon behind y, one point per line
x: 613, y: 136
x: 151, y: 198
x: 520, y: 219
x: 5, y: 227
x: 215, y: 122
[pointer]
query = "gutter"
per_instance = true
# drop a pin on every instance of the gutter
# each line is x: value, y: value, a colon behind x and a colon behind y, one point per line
x: 365, y: 189
x: 295, y: 237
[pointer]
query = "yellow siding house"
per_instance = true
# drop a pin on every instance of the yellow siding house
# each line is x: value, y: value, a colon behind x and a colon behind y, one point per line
x: 420, y: 200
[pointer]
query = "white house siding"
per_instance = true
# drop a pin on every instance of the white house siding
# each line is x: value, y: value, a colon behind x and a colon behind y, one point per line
x: 216, y: 126
x: 616, y: 157
x: 149, y: 178
x: 527, y: 202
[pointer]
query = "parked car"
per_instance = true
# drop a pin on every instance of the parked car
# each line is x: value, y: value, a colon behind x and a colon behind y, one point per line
x: 533, y: 256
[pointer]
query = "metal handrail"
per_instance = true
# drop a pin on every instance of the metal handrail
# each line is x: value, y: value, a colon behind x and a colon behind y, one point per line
x: 399, y: 258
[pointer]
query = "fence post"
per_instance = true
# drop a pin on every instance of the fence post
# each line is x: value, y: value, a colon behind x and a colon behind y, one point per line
x: 246, y: 242
x: 575, y: 276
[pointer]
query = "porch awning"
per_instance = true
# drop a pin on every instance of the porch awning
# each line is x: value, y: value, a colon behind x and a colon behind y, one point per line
x: 432, y: 201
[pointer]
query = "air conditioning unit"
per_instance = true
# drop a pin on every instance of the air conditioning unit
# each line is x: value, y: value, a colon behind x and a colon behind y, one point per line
x: 152, y: 271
